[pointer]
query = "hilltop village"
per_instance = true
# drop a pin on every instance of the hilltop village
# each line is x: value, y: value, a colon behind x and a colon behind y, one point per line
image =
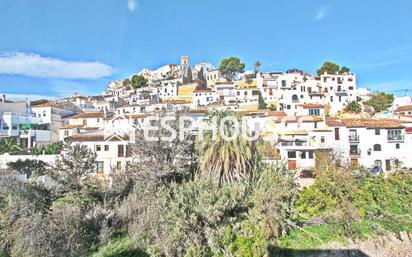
x: 303, y: 113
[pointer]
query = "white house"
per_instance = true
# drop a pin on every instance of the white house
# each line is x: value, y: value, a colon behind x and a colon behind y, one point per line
x: 371, y: 142
x: 113, y: 154
x: 204, y: 97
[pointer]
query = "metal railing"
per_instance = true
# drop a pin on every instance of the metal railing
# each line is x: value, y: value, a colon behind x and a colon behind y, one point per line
x: 353, y: 138
x: 355, y: 152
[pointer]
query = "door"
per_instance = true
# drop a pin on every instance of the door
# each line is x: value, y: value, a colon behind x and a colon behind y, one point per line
x: 120, y: 151
x: 388, y: 165
x: 292, y: 164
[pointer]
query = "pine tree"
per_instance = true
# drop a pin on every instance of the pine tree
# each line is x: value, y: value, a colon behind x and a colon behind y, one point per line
x: 189, y: 76
x: 201, y: 75
x: 261, y: 102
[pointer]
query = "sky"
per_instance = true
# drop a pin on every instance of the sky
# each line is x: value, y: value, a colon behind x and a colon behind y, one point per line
x: 52, y: 48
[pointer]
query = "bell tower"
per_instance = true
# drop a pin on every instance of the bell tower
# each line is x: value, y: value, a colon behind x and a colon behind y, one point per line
x: 184, y: 60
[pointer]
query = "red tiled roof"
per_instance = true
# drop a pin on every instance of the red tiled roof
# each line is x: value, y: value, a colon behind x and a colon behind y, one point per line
x: 69, y: 126
x: 203, y: 90
x: 300, y: 119
x: 404, y: 108
x: 85, y: 115
x: 95, y: 138
x: 311, y: 105
x: 368, y: 123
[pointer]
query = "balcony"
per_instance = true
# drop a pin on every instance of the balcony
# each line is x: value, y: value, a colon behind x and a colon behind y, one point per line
x: 355, y: 152
x: 294, y: 143
x: 396, y: 139
x: 354, y: 138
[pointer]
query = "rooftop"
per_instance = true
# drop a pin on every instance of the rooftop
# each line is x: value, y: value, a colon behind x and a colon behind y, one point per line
x: 364, y: 122
x: 85, y: 115
x: 404, y: 108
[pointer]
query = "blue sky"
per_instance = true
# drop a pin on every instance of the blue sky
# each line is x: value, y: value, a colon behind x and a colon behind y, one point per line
x: 53, y: 48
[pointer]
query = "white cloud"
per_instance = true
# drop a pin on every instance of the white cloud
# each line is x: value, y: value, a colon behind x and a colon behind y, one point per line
x: 132, y: 5
x: 322, y: 12
x: 34, y: 65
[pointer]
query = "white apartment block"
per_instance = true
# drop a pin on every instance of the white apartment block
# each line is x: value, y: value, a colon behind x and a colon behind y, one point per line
x: 168, y: 89
x: 204, y: 97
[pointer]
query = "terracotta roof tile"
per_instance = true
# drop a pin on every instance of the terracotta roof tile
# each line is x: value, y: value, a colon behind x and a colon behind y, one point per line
x: 404, y: 108
x: 69, y: 126
x: 311, y: 105
x: 367, y: 123
x: 85, y: 115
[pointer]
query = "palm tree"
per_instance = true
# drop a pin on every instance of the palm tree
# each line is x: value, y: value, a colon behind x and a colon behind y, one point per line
x: 257, y: 66
x: 353, y: 107
x: 9, y: 145
x: 226, y: 160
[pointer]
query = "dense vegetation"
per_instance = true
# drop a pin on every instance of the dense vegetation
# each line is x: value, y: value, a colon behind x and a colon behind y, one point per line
x: 195, y: 198
x: 332, y: 68
x: 380, y: 101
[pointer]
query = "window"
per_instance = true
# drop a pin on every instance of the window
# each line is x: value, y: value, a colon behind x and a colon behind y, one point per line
x: 398, y: 146
x: 377, y: 147
x: 98, y: 147
x: 377, y: 132
x: 378, y: 163
x: 120, y: 151
x: 66, y: 133
x: 106, y: 148
x: 292, y: 155
x: 322, y: 139
x: 337, y: 134
x: 314, y: 112
x: 303, y: 155
x: 310, y: 154
x: 100, y: 167
x: 395, y: 134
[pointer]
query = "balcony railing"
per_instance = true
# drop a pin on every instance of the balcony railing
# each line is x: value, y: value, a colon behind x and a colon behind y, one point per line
x: 356, y: 152
x: 353, y: 138
x: 294, y: 143
x: 397, y: 138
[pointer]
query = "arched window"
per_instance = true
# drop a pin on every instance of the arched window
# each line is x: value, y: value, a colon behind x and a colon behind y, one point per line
x: 378, y: 163
x: 377, y: 147
x: 295, y: 98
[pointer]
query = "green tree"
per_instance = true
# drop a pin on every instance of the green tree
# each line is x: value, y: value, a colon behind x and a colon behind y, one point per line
x: 328, y: 67
x: 222, y: 159
x: 201, y: 74
x: 138, y: 81
x: 353, y: 107
x: 9, y: 145
x: 257, y: 66
x: 261, y: 102
x: 72, y: 168
x: 293, y: 70
x: 344, y: 69
x: 189, y: 75
x: 231, y: 67
x: 380, y: 101
x: 127, y: 83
